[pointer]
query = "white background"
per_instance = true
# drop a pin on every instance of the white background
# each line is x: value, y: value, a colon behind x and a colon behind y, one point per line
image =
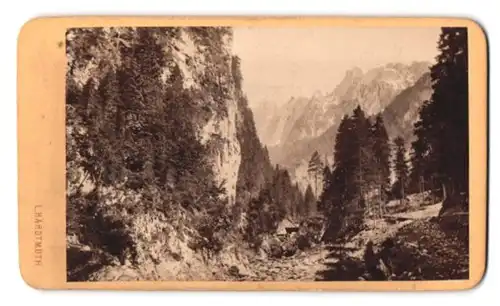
x: 16, y: 13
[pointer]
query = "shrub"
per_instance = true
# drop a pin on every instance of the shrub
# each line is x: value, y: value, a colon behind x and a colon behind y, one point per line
x: 105, y: 234
x: 212, y: 226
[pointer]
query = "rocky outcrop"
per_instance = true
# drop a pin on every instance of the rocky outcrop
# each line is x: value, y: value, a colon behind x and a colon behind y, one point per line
x: 403, y: 111
x: 273, y: 130
x: 220, y: 133
x: 199, y: 59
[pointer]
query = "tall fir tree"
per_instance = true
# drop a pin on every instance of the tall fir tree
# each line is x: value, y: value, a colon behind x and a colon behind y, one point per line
x: 346, y: 157
x: 315, y: 169
x: 297, y: 201
x: 342, y: 201
x: 327, y: 181
x: 381, y: 151
x: 363, y: 155
x: 400, y: 167
x: 381, y: 160
x: 309, y: 202
x: 442, y: 141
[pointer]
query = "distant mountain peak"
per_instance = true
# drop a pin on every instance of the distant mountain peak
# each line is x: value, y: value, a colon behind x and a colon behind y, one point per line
x: 354, y: 72
x: 305, y: 118
x: 317, y: 94
x: 304, y: 125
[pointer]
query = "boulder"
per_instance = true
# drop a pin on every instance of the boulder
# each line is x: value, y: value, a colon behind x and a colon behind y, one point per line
x: 234, y: 271
x: 272, y: 246
x: 304, y: 242
x: 276, y: 251
x: 290, y: 248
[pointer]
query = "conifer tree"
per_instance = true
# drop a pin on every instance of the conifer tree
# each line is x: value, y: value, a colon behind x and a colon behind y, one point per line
x: 381, y: 159
x: 363, y: 155
x: 441, y: 148
x: 400, y: 166
x: 327, y: 178
x: 297, y: 201
x: 381, y: 151
x: 346, y: 157
x: 315, y: 169
x: 343, y: 187
x: 309, y: 202
x: 335, y: 203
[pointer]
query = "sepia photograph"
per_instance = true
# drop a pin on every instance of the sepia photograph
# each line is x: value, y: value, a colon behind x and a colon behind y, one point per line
x: 247, y: 153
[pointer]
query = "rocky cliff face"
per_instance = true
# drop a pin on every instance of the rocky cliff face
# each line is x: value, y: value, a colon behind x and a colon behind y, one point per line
x: 164, y: 109
x: 403, y: 111
x: 279, y: 122
x: 263, y: 114
x: 227, y: 156
x: 201, y: 57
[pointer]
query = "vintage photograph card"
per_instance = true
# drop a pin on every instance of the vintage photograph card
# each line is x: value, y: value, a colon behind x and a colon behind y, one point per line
x: 314, y: 154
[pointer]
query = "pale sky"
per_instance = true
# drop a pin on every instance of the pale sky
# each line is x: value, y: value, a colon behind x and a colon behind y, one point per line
x: 278, y: 63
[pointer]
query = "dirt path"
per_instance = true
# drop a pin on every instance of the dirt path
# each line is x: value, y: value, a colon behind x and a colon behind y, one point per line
x: 427, y: 212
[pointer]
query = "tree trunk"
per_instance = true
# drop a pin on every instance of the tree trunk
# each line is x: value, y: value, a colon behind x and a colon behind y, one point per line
x: 402, y: 192
x: 315, y: 191
x: 444, y: 192
x: 380, y: 201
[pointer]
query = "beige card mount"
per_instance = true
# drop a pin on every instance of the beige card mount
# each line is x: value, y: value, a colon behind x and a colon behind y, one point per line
x: 160, y: 153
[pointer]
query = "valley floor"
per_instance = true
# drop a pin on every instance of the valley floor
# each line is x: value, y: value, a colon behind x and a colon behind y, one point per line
x: 301, y: 267
x: 427, y: 253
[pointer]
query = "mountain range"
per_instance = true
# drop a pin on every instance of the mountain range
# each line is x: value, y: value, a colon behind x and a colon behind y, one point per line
x: 303, y: 125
